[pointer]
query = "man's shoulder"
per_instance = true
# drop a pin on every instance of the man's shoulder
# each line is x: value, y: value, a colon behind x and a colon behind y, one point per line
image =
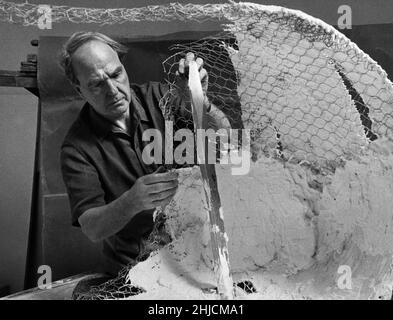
x: 147, y: 85
x: 79, y: 134
x: 154, y: 88
x: 150, y: 96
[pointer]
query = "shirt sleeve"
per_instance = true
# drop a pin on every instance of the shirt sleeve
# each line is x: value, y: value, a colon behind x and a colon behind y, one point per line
x: 82, y: 182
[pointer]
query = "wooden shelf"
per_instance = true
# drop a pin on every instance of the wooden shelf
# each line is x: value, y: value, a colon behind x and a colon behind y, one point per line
x: 19, y: 79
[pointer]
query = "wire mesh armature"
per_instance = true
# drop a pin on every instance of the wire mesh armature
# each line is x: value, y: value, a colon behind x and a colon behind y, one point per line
x: 113, y: 289
x: 120, y: 287
x: 29, y: 14
x: 304, y: 90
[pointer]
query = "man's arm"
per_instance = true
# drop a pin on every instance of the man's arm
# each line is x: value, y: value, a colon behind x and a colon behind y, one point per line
x: 99, y: 219
x: 101, y: 222
x: 148, y: 192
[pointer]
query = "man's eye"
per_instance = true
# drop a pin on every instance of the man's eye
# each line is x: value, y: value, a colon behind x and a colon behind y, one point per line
x: 95, y: 85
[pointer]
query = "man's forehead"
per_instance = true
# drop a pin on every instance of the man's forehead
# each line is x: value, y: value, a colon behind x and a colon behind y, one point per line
x: 94, y: 56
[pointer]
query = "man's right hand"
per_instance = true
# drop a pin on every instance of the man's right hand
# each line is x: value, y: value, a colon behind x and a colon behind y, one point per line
x: 148, y: 192
x: 153, y: 190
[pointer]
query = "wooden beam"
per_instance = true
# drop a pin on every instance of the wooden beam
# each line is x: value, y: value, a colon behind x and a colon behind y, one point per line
x: 17, y: 79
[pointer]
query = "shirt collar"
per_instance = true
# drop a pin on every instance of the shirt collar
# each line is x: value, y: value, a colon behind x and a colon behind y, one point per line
x: 140, y: 111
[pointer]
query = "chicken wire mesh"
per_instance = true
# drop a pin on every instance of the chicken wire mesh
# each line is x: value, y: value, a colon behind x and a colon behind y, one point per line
x: 305, y: 91
x: 120, y: 287
x: 29, y: 14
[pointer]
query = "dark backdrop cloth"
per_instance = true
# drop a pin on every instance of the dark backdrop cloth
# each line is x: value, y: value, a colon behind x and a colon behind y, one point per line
x: 377, y: 41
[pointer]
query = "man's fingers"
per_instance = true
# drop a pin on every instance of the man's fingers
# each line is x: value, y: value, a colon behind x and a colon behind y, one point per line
x: 182, y: 66
x: 203, y: 75
x: 190, y: 56
x: 162, y: 186
x: 162, y: 203
x: 160, y: 169
x: 163, y: 195
x: 199, y: 62
x: 160, y: 177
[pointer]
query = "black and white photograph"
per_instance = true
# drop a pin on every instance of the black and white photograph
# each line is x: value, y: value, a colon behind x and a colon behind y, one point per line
x: 207, y: 151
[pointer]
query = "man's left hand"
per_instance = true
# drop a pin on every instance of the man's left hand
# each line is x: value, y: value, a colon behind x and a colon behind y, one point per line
x: 182, y: 80
x: 184, y: 67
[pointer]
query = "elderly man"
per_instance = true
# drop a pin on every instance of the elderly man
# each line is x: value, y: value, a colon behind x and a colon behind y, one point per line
x: 112, y: 192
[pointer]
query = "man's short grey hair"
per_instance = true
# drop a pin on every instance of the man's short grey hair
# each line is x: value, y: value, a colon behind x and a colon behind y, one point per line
x: 76, y: 41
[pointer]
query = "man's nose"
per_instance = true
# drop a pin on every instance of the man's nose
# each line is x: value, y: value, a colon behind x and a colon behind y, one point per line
x: 111, y: 88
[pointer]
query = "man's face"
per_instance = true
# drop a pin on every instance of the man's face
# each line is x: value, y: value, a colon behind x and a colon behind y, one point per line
x: 103, y: 81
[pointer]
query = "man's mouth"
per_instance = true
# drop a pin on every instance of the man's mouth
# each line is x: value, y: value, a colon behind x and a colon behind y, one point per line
x: 116, y: 102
